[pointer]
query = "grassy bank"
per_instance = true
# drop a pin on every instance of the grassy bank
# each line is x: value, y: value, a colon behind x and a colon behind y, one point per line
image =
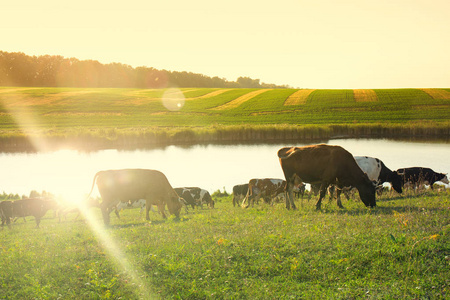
x: 400, y: 249
x: 140, y: 117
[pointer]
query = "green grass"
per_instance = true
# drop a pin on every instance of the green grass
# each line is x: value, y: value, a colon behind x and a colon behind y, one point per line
x: 73, y: 112
x: 401, y: 249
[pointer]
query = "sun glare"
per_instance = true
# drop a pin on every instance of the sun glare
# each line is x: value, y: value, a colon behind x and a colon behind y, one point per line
x: 173, y: 99
x: 66, y: 187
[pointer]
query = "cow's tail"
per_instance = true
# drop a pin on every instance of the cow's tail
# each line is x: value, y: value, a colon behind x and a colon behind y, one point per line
x: 92, y: 188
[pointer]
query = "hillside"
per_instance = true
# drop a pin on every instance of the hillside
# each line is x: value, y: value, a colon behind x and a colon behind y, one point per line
x: 109, y: 113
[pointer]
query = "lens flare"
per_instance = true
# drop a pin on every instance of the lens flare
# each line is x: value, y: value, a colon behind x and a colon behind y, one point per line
x: 28, y: 121
x: 173, y: 99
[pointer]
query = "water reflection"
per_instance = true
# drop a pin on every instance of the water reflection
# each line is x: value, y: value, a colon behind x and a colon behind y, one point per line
x: 212, y: 167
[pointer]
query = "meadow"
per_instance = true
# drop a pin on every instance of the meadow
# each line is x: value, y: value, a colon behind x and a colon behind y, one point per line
x: 132, y: 117
x: 400, y: 249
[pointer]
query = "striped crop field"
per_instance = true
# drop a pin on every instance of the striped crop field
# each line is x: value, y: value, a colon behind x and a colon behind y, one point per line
x: 365, y: 95
x: 238, y: 101
x: 73, y: 108
x: 438, y: 93
x: 298, y: 98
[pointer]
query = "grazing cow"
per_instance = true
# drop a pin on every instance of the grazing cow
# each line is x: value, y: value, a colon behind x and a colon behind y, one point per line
x: 239, y: 193
x: 266, y: 188
x: 126, y: 185
x: 377, y: 171
x: 195, y: 196
x: 187, y: 196
x: 6, y: 212
x: 417, y: 176
x: 141, y: 203
x: 324, y: 165
x: 36, y: 207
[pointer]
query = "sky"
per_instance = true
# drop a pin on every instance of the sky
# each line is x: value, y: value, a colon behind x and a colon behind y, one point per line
x: 304, y: 44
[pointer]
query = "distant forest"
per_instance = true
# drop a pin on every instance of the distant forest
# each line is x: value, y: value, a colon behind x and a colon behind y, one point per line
x: 19, y: 69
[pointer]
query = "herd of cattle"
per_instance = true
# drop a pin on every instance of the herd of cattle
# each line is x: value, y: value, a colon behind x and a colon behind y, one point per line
x: 322, y: 166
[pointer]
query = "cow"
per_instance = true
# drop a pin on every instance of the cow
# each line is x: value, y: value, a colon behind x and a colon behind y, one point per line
x: 239, y: 193
x: 377, y: 171
x: 36, y: 207
x: 417, y: 176
x: 6, y: 213
x: 141, y: 203
x: 266, y: 188
x: 126, y: 185
x: 195, y: 196
x: 323, y: 164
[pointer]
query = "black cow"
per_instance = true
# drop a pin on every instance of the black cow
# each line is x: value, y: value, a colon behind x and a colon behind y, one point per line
x: 417, y: 176
x: 239, y: 193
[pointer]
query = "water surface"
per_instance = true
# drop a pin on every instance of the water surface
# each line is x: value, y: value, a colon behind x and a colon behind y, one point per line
x: 69, y: 172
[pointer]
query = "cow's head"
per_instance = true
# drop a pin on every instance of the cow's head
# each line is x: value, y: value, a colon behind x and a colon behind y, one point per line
x: 174, y: 205
x: 396, y: 181
x: 367, y: 192
x: 444, y: 179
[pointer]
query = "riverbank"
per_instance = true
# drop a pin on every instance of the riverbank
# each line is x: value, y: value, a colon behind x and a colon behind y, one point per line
x: 147, y: 138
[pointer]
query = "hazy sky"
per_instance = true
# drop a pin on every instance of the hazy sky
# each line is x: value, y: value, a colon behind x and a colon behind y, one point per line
x: 306, y: 44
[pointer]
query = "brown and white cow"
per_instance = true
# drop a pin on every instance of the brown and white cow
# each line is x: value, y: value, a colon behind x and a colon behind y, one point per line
x: 323, y: 164
x: 266, y: 188
x: 126, y: 185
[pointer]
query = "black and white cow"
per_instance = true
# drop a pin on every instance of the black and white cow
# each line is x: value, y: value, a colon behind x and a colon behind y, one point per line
x: 377, y: 171
x: 195, y: 196
x: 239, y: 193
x: 417, y: 176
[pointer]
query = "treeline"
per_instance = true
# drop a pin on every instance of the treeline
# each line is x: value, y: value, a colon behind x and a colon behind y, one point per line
x: 19, y: 69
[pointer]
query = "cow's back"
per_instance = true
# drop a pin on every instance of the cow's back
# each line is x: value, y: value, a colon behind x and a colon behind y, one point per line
x: 132, y: 184
x: 316, y: 163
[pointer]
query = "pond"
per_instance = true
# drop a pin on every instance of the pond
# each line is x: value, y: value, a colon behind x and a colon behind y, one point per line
x: 69, y: 173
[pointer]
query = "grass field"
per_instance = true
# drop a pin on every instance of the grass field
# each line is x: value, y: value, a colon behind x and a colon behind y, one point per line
x: 68, y: 107
x: 398, y: 250
x: 76, y: 115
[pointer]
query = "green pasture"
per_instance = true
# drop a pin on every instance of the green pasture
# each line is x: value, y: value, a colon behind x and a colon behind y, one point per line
x: 69, y: 107
x: 398, y: 250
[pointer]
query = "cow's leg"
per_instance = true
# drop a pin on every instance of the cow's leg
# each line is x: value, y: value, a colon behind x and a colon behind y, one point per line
x: 38, y: 220
x: 290, y: 194
x: 117, y: 212
x: 338, y: 198
x: 105, y: 213
x: 161, y: 208
x: 323, y: 191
